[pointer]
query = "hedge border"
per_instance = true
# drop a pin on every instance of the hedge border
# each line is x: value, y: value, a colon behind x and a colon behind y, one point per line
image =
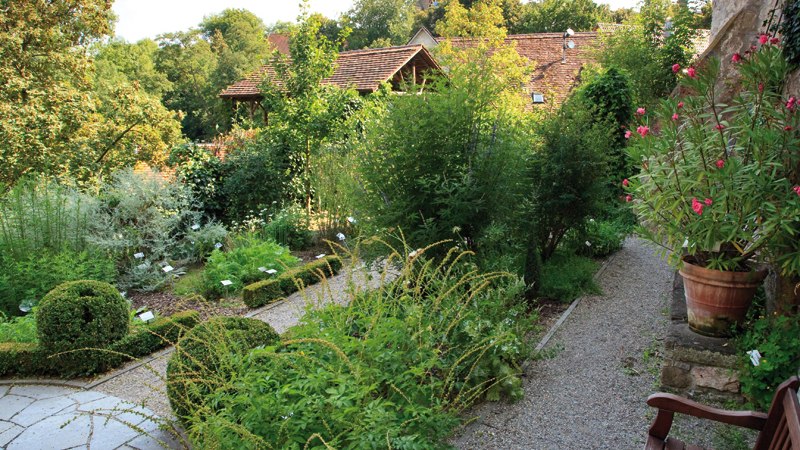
x: 30, y: 359
x: 269, y: 291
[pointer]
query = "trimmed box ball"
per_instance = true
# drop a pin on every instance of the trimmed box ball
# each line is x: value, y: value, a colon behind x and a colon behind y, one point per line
x: 204, y: 359
x: 81, y: 314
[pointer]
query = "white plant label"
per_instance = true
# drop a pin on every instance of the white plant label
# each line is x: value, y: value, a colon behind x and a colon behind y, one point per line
x: 340, y: 236
x: 226, y: 282
x: 755, y: 357
x: 320, y: 256
x: 147, y: 316
x: 168, y: 268
x: 351, y: 219
x: 271, y: 271
x: 588, y: 244
x: 262, y: 269
x: 218, y: 245
x: 195, y: 227
x: 139, y: 255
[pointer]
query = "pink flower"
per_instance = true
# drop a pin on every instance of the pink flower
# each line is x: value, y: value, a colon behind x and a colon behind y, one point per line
x: 791, y: 103
x: 760, y: 87
x: 787, y: 128
x: 763, y: 39
x: 675, y: 116
x: 720, y: 127
x: 629, y: 199
x: 676, y: 68
x: 736, y: 57
x: 628, y: 134
x: 643, y: 130
x: 720, y: 164
x: 640, y: 111
x: 796, y: 189
x: 708, y: 202
x: 680, y: 105
x: 753, y: 48
x: 691, y: 72
x: 697, y: 206
x: 774, y: 41
x: 625, y: 182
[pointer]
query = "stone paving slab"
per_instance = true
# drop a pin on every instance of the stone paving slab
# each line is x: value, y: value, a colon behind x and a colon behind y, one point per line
x: 43, y: 417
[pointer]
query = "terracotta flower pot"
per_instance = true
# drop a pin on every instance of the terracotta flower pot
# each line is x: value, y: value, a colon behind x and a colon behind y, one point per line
x: 717, y: 301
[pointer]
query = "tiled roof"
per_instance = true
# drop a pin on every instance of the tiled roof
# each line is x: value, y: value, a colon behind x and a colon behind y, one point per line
x: 363, y: 70
x: 280, y: 42
x: 551, y: 76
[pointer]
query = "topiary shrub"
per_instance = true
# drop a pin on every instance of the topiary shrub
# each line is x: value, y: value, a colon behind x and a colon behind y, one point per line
x: 203, y: 359
x: 81, y: 314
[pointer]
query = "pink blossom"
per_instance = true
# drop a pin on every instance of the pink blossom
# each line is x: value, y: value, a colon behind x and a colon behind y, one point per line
x: 628, y: 198
x: 675, y: 116
x: 791, y: 103
x: 763, y: 39
x: 720, y: 164
x: 680, y: 105
x: 625, y: 182
x: 692, y: 72
x: 708, y: 202
x: 787, y: 128
x: 643, y: 130
x: 760, y: 87
x: 697, y: 206
x: 796, y: 189
x: 753, y: 48
x: 628, y: 134
x: 676, y: 68
x: 774, y: 41
x: 720, y: 127
x: 640, y: 111
x: 736, y: 57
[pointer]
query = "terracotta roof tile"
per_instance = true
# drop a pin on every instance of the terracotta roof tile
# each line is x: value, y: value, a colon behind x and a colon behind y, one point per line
x: 280, y: 42
x: 551, y: 76
x: 363, y: 70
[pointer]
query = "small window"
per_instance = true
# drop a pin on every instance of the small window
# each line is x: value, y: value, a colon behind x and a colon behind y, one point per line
x: 537, y: 97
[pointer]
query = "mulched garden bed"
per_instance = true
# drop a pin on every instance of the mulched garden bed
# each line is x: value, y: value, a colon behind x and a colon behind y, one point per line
x: 167, y: 304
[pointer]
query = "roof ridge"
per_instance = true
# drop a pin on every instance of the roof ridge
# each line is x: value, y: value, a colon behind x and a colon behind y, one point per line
x: 380, y: 50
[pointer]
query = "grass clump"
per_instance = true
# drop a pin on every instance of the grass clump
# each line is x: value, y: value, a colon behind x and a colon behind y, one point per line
x: 566, y: 277
x: 391, y: 369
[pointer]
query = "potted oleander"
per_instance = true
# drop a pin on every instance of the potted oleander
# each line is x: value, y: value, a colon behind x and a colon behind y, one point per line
x: 718, y: 185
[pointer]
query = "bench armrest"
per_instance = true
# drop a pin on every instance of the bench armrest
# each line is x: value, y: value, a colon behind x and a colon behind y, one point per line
x: 669, y: 404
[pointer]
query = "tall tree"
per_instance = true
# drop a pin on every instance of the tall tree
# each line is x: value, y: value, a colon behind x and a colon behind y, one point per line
x: 54, y: 120
x: 555, y: 16
x: 378, y: 23
x: 121, y: 61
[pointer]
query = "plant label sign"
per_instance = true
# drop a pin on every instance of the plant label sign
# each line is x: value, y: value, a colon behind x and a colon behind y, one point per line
x: 147, y: 316
x: 271, y: 272
x: 195, y: 227
x: 755, y: 357
x: 226, y: 282
x: 320, y: 256
x: 139, y: 255
x: 218, y: 245
x: 168, y: 268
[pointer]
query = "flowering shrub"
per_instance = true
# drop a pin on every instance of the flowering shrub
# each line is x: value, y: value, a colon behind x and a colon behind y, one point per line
x: 719, y: 179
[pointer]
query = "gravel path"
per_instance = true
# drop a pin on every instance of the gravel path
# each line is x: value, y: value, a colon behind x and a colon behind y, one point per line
x: 144, y: 384
x: 591, y: 392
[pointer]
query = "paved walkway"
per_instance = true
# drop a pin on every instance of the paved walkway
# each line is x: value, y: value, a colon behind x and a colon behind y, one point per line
x: 591, y: 391
x: 52, y: 417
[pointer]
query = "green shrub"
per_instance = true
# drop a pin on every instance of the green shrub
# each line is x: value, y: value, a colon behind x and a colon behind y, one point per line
x: 254, y: 179
x: 289, y: 227
x: 201, y: 172
x: 201, y: 243
x: 81, y: 314
x: 267, y: 291
x: 241, y: 265
x: 203, y: 357
x: 566, y: 277
x: 391, y: 369
x: 28, y: 279
x: 776, y: 338
x: 598, y: 239
x: 30, y: 359
x: 18, y: 329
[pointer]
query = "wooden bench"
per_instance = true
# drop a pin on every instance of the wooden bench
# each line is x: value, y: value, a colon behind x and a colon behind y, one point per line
x: 779, y: 429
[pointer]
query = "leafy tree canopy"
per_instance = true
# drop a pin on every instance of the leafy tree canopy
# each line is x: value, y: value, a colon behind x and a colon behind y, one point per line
x: 377, y: 23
